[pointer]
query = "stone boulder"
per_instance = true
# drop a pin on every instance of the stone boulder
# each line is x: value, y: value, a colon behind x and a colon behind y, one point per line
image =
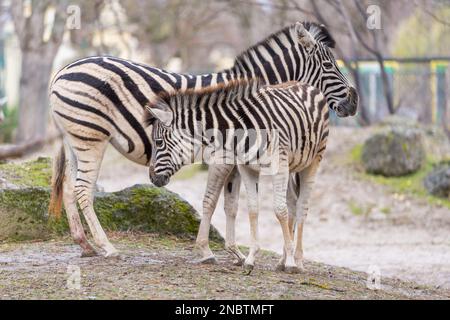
x: 394, y: 152
x: 437, y: 182
x: 25, y: 194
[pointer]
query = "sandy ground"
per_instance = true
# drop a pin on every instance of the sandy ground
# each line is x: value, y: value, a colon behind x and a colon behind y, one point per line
x: 401, y: 236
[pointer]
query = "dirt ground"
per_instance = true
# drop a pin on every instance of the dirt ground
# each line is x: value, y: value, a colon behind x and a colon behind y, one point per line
x: 152, y: 267
x: 402, y: 236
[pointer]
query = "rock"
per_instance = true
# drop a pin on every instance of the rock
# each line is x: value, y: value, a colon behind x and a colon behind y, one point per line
x: 434, y: 138
x: 394, y: 152
x: 437, y: 182
x: 145, y: 208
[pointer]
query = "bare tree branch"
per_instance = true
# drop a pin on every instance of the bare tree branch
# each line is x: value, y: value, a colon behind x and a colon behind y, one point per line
x: 24, y: 148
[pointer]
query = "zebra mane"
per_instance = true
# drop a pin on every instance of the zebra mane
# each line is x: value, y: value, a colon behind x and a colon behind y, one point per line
x: 238, y: 88
x: 318, y: 31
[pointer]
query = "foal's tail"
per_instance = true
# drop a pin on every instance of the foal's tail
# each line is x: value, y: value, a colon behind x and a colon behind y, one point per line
x: 59, y: 166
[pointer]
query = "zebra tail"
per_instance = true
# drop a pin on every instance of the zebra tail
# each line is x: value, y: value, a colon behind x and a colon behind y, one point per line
x: 56, y: 199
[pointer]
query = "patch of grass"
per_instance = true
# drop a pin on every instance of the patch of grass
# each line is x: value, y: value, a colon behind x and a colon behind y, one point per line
x: 359, y: 210
x: 355, y: 208
x: 29, y: 174
x: 411, y: 184
x: 356, y: 153
x: 386, y: 210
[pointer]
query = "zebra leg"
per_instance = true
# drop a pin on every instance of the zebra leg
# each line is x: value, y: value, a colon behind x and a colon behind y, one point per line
x: 70, y: 205
x: 87, y: 174
x: 216, y: 178
x: 307, y: 177
x: 250, y: 179
x: 231, y: 201
x: 292, y: 196
x: 280, y: 186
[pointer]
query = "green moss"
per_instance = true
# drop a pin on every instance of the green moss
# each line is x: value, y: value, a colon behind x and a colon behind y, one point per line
x: 411, y: 184
x: 29, y: 174
x: 356, y: 153
x: 149, y: 209
x: 24, y: 216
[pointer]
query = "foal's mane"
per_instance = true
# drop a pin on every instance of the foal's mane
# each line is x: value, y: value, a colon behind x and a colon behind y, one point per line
x: 235, y: 87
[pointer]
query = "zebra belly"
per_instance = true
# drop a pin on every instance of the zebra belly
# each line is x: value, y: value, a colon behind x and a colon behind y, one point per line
x: 121, y: 145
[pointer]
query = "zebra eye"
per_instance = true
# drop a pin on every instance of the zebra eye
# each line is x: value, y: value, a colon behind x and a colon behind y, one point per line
x: 328, y: 65
x: 159, y: 142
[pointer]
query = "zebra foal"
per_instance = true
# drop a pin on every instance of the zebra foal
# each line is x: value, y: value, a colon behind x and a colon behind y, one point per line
x: 275, y: 130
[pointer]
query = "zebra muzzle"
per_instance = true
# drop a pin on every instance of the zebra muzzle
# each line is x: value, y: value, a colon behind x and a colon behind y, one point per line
x: 349, y: 106
x: 160, y: 180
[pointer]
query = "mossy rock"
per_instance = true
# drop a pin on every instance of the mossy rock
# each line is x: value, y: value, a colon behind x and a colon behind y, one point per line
x: 394, y: 152
x: 145, y: 208
x: 36, y: 173
x: 437, y: 182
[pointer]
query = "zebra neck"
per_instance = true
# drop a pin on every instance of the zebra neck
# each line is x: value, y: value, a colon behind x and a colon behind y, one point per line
x: 198, y: 113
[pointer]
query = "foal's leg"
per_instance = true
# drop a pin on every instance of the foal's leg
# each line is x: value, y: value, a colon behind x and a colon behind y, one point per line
x: 280, y: 185
x: 70, y: 204
x: 216, y: 178
x: 250, y: 179
x: 89, y: 161
x: 231, y: 200
x: 307, y: 177
x: 292, y: 196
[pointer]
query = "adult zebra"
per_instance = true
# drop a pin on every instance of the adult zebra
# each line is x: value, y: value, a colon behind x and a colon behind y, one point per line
x: 279, y: 130
x: 99, y: 100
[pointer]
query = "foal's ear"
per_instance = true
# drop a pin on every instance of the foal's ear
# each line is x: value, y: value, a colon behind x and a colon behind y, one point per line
x: 159, y: 111
x: 305, y: 38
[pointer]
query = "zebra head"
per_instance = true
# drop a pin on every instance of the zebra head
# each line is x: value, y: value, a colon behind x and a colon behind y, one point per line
x: 172, y: 149
x: 322, y: 71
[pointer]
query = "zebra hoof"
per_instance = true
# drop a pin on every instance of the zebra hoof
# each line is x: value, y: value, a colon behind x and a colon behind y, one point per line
x: 292, y: 269
x: 239, y: 259
x: 280, y: 267
x: 248, y: 268
x: 206, y: 260
x: 238, y: 262
x: 89, y: 253
x: 112, y: 254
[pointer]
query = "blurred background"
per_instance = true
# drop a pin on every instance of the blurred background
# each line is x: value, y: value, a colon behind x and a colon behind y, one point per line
x: 396, y: 52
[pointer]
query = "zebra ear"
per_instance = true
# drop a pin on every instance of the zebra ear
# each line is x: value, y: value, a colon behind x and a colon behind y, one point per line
x: 304, y: 36
x: 161, y: 112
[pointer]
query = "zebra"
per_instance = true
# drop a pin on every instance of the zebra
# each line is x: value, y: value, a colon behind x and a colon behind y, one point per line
x: 99, y: 100
x: 282, y: 130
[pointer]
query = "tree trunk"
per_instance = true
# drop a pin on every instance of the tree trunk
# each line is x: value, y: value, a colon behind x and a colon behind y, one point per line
x: 365, y: 117
x: 38, y: 53
x: 33, y: 107
x: 386, y: 85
